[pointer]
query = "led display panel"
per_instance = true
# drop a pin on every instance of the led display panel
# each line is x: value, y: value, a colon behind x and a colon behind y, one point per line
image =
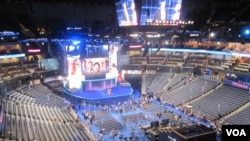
x: 74, y: 71
x: 160, y: 11
x: 126, y: 13
x: 92, y: 72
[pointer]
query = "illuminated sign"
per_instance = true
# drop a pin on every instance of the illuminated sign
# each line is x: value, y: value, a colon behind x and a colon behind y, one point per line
x: 34, y: 50
x: 135, y: 46
x: 236, y: 84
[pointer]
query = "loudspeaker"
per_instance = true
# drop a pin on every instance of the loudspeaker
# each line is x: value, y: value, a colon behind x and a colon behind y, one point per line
x: 197, y: 71
x: 179, y: 117
x: 155, y: 124
x: 165, y: 121
x: 152, y: 125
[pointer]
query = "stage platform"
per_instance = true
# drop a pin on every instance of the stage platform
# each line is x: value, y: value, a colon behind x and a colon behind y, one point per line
x: 117, y: 94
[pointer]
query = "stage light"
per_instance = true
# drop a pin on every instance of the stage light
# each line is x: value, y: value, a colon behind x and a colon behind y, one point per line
x: 34, y: 50
x: 247, y: 32
x: 105, y: 47
x: 76, y: 42
x: 212, y: 34
x: 134, y: 35
x: 59, y: 78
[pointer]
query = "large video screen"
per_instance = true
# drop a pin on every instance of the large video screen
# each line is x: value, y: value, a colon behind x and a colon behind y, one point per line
x: 95, y: 68
x: 160, y: 10
x: 74, y: 71
x: 113, y: 49
x: 89, y: 71
x: 126, y: 13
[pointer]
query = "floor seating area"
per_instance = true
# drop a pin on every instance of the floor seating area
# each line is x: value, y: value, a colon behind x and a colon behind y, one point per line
x: 239, y: 118
x: 155, y: 83
x: 222, y: 101
x: 196, y: 60
x: 175, y: 58
x: 243, y: 67
x: 177, y: 81
x: 33, y: 113
x: 55, y: 85
x: 41, y: 95
x: 156, y: 59
x: 189, y: 91
x: 13, y: 70
x: 138, y: 60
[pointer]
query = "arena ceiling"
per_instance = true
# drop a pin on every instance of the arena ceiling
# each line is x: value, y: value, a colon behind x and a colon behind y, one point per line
x: 202, y: 12
x: 206, y: 11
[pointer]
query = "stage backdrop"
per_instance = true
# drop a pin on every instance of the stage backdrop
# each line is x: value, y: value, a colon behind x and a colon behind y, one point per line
x: 92, y: 73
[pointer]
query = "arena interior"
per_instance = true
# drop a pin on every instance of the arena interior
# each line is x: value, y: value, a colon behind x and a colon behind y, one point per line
x: 123, y: 70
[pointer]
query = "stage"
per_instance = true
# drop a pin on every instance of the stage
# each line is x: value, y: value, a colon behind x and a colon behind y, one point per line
x: 116, y: 94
